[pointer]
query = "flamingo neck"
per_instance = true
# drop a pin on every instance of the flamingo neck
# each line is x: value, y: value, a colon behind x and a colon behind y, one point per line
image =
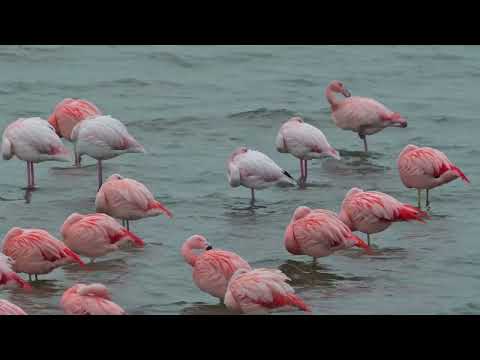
x: 330, y: 95
x: 188, y: 254
x: 343, y: 216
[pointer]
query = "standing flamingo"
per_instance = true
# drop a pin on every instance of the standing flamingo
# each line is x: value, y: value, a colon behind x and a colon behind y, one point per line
x: 212, y: 269
x: 67, y: 114
x: 35, y: 251
x: 8, y: 277
x: 261, y: 291
x: 362, y: 115
x: 318, y: 233
x: 91, y: 299
x: 128, y: 199
x: 103, y: 138
x: 96, y: 235
x: 7, y: 308
x: 372, y: 211
x: 254, y: 170
x: 305, y: 142
x: 33, y: 140
x: 426, y: 168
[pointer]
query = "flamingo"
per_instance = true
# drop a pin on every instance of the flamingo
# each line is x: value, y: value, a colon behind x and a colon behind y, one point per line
x: 67, y: 114
x: 7, y: 308
x: 318, y: 233
x: 103, y: 138
x: 35, y: 251
x: 254, y: 170
x: 127, y: 199
x: 362, y: 115
x: 261, y: 291
x: 96, y: 235
x: 33, y: 140
x: 426, y: 168
x: 372, y: 211
x: 91, y: 299
x: 212, y: 269
x: 8, y: 277
x: 305, y: 142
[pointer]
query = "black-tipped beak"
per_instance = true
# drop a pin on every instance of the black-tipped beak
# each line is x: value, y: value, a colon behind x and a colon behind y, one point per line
x: 404, y: 125
x: 209, y: 247
x: 346, y: 93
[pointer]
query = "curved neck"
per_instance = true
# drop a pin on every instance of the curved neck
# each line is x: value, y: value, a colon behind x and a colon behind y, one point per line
x: 188, y: 254
x: 330, y: 95
x: 343, y: 216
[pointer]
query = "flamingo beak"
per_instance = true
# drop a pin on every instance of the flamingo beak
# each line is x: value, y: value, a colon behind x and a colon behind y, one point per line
x: 209, y: 247
x: 346, y: 93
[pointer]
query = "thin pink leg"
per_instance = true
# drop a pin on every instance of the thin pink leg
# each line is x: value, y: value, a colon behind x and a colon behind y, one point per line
x: 32, y: 174
x: 29, y: 178
x: 301, y: 171
x: 306, y: 172
x: 99, y: 173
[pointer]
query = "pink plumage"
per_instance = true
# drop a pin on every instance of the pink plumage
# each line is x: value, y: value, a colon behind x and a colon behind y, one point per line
x: 362, y: 115
x: 69, y: 112
x: 128, y: 199
x: 262, y: 291
x: 8, y: 277
x: 7, y: 308
x: 426, y: 168
x: 95, y: 235
x: 89, y: 299
x: 305, y: 142
x: 318, y: 233
x: 35, y: 251
x: 33, y: 140
x: 372, y: 211
x: 212, y: 269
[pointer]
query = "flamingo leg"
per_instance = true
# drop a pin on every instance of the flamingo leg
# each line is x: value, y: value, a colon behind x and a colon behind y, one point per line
x: 32, y: 175
x: 427, y: 203
x: 368, y: 239
x: 252, y: 200
x: 419, y: 198
x: 128, y: 225
x: 29, y: 277
x: 99, y: 173
x: 301, y: 172
x: 36, y: 277
x: 306, y: 172
x: 29, y: 177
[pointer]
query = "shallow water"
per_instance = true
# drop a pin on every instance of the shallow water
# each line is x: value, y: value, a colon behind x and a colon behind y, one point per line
x: 192, y: 105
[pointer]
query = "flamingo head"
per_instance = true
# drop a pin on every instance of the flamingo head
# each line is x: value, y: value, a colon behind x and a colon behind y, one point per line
x: 114, y: 177
x: 301, y: 212
x: 296, y: 119
x: 198, y: 242
x: 338, y: 87
x: 396, y: 120
x: 52, y: 120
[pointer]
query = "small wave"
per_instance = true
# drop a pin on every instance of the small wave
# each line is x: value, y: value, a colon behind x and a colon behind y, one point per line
x: 172, y: 58
x: 123, y: 82
x: 262, y: 113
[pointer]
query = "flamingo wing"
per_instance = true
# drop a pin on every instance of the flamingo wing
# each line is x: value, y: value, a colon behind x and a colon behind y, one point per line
x: 257, y: 165
x: 320, y: 227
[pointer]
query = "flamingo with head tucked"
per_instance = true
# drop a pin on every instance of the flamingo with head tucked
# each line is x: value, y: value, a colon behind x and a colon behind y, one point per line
x: 128, y: 199
x: 102, y: 138
x: 318, y: 233
x: 362, y: 115
x: 8, y: 277
x: 372, y: 211
x: 426, y: 168
x: 254, y: 170
x: 35, y: 251
x: 96, y: 235
x: 262, y: 291
x: 67, y: 114
x: 33, y: 140
x: 212, y: 268
x: 89, y: 299
x: 305, y: 142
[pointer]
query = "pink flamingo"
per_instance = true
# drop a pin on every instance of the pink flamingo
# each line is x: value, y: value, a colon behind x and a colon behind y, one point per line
x: 212, y: 269
x: 35, y: 251
x: 96, y: 235
x: 362, y: 115
x: 372, y: 212
x: 426, y: 168
x: 91, y: 299
x: 305, y: 142
x: 103, y: 138
x: 7, y: 308
x: 8, y: 277
x: 128, y: 199
x: 67, y: 114
x: 318, y: 233
x: 261, y: 291
x: 254, y: 170
x: 33, y: 140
